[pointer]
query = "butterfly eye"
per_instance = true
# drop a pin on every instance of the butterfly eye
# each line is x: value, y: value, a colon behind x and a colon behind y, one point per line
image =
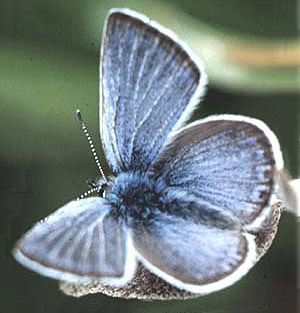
x: 101, y: 192
x: 102, y: 189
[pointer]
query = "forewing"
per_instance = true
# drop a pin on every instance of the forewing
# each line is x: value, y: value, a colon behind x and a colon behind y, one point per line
x: 197, y: 255
x: 149, y: 84
x: 81, y: 242
x: 228, y: 161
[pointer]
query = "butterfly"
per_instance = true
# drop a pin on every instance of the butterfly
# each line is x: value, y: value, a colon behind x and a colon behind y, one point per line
x: 184, y: 200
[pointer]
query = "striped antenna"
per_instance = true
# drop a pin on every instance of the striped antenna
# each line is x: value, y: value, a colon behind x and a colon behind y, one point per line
x: 87, y: 135
x: 88, y: 193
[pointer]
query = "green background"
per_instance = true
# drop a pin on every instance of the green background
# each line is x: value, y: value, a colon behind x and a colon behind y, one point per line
x: 49, y: 54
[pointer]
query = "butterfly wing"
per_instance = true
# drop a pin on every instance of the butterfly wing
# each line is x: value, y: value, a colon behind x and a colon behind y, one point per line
x: 198, y: 253
x: 149, y: 84
x: 81, y: 242
x: 228, y: 161
x: 220, y: 172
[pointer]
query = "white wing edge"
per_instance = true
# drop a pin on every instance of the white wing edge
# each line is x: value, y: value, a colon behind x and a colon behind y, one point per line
x: 242, y: 270
x: 130, y: 267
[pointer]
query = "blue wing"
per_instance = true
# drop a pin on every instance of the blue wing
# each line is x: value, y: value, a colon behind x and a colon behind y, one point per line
x: 200, y: 253
x: 149, y: 84
x: 228, y: 161
x: 81, y: 242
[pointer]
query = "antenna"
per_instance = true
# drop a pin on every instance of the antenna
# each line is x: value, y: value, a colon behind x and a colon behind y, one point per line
x: 87, y: 135
x: 89, y: 192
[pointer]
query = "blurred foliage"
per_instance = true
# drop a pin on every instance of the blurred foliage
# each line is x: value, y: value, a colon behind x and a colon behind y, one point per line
x: 49, y: 53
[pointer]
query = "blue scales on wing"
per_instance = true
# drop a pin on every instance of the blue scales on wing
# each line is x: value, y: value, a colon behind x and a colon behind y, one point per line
x: 148, y: 82
x: 200, y: 252
x: 82, y: 241
x: 228, y: 162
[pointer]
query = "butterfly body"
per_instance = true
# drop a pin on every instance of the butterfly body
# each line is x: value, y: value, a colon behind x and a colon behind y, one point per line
x: 136, y: 195
x: 139, y: 197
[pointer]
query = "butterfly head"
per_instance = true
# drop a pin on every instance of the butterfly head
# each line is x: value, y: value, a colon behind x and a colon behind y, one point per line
x: 101, y: 186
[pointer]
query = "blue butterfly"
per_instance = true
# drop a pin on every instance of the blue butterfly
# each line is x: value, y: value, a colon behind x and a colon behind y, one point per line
x: 184, y: 201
